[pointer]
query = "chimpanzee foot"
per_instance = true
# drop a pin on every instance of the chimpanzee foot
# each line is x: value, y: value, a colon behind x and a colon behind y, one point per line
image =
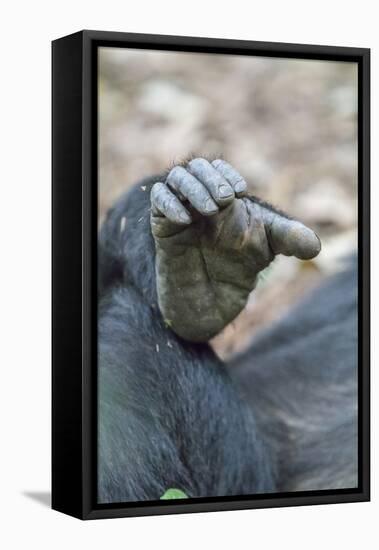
x: 211, y: 241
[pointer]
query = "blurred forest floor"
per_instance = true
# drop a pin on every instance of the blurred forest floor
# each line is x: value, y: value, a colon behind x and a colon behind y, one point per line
x: 288, y: 126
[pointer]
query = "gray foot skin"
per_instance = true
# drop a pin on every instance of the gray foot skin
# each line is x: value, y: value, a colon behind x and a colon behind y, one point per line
x: 211, y: 242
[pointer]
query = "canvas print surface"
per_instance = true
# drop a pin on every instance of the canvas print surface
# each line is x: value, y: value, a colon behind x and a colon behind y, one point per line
x: 227, y: 275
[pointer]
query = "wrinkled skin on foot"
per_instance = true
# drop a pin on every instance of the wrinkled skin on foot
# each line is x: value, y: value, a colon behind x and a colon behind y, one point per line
x: 211, y: 242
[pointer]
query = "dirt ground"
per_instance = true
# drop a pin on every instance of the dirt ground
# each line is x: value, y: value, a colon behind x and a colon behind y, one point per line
x: 288, y: 126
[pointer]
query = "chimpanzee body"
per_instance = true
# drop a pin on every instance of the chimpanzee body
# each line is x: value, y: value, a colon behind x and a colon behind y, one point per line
x: 279, y: 417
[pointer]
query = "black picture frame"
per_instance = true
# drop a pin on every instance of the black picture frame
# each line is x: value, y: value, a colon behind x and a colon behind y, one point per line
x: 74, y: 314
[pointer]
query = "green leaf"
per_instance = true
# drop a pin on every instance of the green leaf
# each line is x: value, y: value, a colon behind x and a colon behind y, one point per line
x: 173, y: 494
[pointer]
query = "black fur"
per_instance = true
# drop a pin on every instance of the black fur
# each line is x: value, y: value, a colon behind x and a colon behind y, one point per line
x: 300, y: 378
x: 280, y: 417
x: 169, y: 413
